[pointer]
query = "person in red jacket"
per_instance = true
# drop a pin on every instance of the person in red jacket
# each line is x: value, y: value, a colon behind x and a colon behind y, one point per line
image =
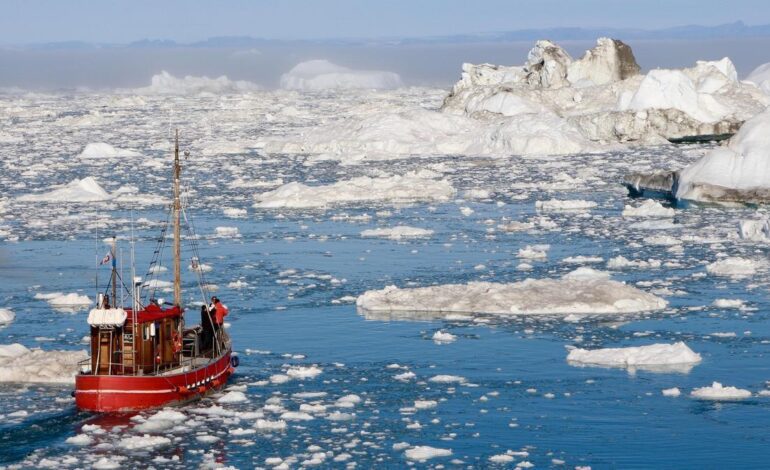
x: 220, y: 312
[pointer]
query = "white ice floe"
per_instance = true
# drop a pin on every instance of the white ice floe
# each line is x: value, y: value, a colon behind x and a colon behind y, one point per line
x: 735, y: 267
x: 397, y: 233
x: 729, y: 303
x: 620, y: 262
x: 6, y: 316
x: 555, y: 205
x: 441, y: 337
x: 648, y: 208
x: 397, y: 189
x: 57, y: 299
x: 227, y: 232
x: 20, y: 364
x: 717, y: 391
x: 143, y: 442
x: 583, y: 291
x: 161, y: 421
x: 739, y: 171
x: 671, y: 392
x: 534, y: 252
x: 268, y: 425
x: 423, y: 453
x: 323, y: 75
x: 304, y: 372
x: 166, y: 84
x: 657, y: 357
x: 757, y: 230
x: 233, y: 397
x: 447, y: 379
x: 101, y: 150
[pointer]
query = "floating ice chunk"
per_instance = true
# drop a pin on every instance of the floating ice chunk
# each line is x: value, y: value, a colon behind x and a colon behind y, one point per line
x: 101, y: 150
x: 143, y: 442
x: 738, y: 172
x: 233, y: 397
x: 655, y: 357
x: 620, y: 262
x: 440, y: 337
x: 447, y: 379
x: 80, y: 440
x: 398, y: 232
x: 296, y: 416
x: 671, y: 392
x: 57, y: 299
x: 735, y: 267
x: 234, y: 212
x: 423, y: 453
x: 19, y: 364
x: 78, y: 190
x: 405, y: 376
x: 583, y: 291
x: 105, y: 463
x: 534, y: 252
x: 728, y: 303
x: 582, y: 259
x: 555, y: 205
x: 324, y: 75
x: 237, y: 284
x: 166, y: 84
x: 717, y: 391
x: 348, y: 401
x: 425, y: 404
x: 501, y: 458
x: 302, y: 373
x: 649, y: 208
x: 757, y: 230
x: 267, y: 425
x: 411, y: 187
x: 227, y: 232
x: 6, y: 316
x: 161, y: 421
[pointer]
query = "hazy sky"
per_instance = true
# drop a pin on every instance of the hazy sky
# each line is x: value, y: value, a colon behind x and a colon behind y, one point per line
x: 120, y: 21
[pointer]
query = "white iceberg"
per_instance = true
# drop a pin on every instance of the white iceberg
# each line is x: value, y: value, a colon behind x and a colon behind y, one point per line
x: 582, y: 291
x: 166, y: 84
x: 423, y: 453
x: 6, y: 316
x: 760, y: 76
x: 20, y: 364
x: 735, y: 267
x: 656, y: 357
x: 648, y: 208
x: 396, y: 189
x: 323, y: 75
x: 739, y: 171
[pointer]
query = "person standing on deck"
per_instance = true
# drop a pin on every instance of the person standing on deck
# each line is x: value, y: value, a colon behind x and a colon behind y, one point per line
x: 220, y: 312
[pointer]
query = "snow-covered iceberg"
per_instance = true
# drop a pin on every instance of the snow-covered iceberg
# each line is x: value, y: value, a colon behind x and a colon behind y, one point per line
x: 760, y: 77
x: 583, y: 291
x: 412, y: 187
x: 737, y: 172
x: 166, y: 84
x: 677, y: 357
x: 717, y: 391
x: 323, y: 75
x: 20, y: 364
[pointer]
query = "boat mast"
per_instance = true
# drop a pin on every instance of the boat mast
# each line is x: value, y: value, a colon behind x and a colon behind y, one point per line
x: 177, y: 228
x: 114, y: 299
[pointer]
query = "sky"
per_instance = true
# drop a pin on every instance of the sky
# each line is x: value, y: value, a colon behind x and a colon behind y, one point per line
x: 122, y: 21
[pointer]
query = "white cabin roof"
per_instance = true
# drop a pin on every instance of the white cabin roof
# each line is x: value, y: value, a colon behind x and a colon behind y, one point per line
x: 107, y: 317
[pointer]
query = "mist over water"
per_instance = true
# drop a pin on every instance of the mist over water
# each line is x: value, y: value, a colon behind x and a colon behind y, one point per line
x: 418, y: 64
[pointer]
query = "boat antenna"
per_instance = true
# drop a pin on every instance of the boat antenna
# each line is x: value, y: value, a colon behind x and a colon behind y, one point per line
x: 177, y: 228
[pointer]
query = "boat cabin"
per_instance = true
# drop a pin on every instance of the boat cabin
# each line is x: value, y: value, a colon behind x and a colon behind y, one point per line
x: 124, y: 343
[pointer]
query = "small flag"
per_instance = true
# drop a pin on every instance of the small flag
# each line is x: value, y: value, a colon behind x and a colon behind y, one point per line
x: 106, y: 259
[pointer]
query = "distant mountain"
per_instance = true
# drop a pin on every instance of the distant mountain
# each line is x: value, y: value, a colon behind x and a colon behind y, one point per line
x: 730, y: 30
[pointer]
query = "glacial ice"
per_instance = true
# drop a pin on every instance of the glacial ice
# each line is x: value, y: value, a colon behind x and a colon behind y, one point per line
x: 582, y: 291
x: 397, y: 233
x: 658, y: 357
x: 78, y: 190
x: 101, y: 150
x: 735, y: 267
x: 20, y: 364
x: 738, y: 172
x: 760, y: 76
x: 320, y: 74
x: 6, y: 316
x: 648, y: 208
x: 423, y: 453
x: 396, y: 189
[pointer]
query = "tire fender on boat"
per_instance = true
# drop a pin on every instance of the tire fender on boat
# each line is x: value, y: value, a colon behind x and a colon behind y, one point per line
x: 235, y: 361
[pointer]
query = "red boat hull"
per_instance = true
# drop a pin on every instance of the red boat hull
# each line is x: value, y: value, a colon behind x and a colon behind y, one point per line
x: 117, y: 393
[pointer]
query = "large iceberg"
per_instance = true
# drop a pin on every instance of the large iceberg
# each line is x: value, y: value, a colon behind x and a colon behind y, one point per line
x: 166, y: 84
x: 737, y: 172
x: 323, y: 75
x: 583, y: 291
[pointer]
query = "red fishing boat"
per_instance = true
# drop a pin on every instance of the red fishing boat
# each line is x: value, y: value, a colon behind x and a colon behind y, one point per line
x: 142, y: 354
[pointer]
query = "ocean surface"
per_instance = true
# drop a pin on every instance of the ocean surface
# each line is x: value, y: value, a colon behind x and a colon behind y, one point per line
x: 511, y: 390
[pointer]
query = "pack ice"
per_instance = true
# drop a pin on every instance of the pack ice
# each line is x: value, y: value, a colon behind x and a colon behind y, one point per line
x: 20, y: 364
x: 582, y: 291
